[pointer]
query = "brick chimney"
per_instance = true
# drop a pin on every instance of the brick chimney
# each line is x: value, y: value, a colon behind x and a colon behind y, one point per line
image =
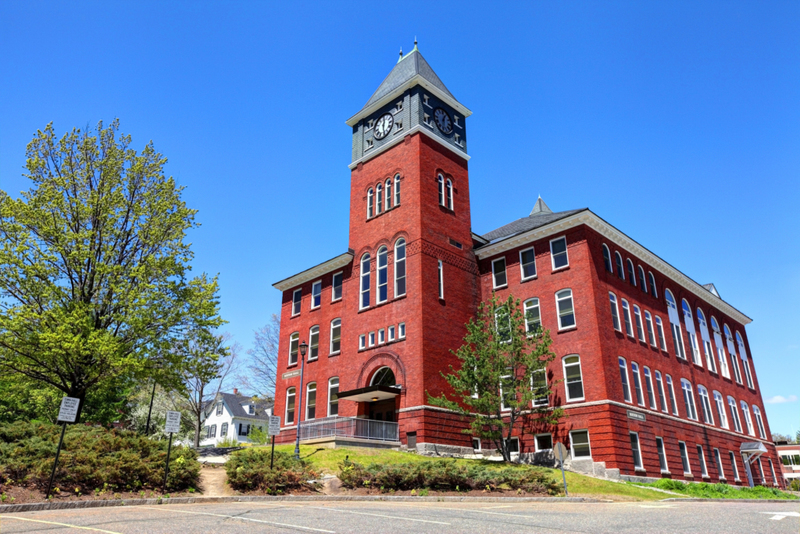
x: 235, y: 391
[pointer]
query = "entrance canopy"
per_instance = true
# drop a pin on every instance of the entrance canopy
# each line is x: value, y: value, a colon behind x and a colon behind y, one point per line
x: 753, y: 448
x: 370, y: 393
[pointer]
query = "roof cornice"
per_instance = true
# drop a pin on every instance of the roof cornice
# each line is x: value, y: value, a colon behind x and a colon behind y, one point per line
x: 315, y: 272
x: 417, y: 79
x: 399, y: 138
x: 612, y: 234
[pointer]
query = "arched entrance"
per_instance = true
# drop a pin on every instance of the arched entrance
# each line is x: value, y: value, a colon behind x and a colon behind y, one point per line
x: 385, y: 409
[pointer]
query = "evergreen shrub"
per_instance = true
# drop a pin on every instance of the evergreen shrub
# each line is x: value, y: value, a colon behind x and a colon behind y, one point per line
x: 248, y: 470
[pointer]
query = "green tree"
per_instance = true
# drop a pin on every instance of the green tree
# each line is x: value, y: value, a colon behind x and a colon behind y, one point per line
x: 503, y: 372
x: 93, y: 265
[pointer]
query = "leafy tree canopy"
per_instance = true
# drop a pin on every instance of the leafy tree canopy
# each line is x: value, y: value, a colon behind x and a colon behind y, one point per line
x: 94, y: 269
x: 502, y: 384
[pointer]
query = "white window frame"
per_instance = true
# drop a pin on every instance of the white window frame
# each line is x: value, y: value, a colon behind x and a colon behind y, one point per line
x: 662, y: 395
x: 660, y: 329
x: 637, y: 383
x: 620, y: 265
x: 626, y: 312
x: 615, y: 322
x: 391, y: 333
x: 383, y: 255
x: 334, y: 298
x: 370, y: 204
x: 631, y: 271
x: 653, y: 288
x: 522, y: 276
x: 401, y: 331
x: 316, y: 294
x: 389, y: 194
x: 552, y: 255
x: 580, y: 372
x: 719, y: 400
x: 371, y: 339
x: 362, y: 341
x: 734, y: 466
x: 759, y: 421
x: 572, y: 443
x: 705, y: 404
x: 297, y: 303
x: 662, y: 455
x: 623, y: 376
x: 685, y: 462
x: 441, y: 279
x: 290, y: 392
x: 637, y: 314
x: 737, y: 423
x: 364, y: 277
x: 673, y: 401
x: 543, y: 401
x: 332, y: 338
x: 607, y: 263
x: 495, y: 271
x: 330, y: 401
x: 474, y: 439
x: 747, y: 419
x: 642, y: 279
x: 378, y: 199
x: 311, y: 386
x: 440, y: 181
x: 536, y: 442
x: 648, y: 383
x: 294, y: 337
x: 503, y: 407
x: 688, y: 400
x: 449, y: 189
x: 530, y: 304
x: 718, y: 461
x: 702, y: 456
x: 651, y: 333
x: 558, y: 308
x: 397, y: 260
x: 638, y: 465
x: 396, y: 190
x: 381, y: 336
x: 311, y: 334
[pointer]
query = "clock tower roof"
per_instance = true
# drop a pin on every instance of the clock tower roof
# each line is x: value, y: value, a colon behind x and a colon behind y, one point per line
x: 410, y: 70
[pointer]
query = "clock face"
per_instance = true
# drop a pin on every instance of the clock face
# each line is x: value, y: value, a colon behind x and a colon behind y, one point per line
x: 443, y: 121
x: 383, y: 126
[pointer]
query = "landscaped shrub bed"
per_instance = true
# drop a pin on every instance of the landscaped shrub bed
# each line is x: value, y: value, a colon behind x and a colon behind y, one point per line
x: 248, y: 470
x: 447, y: 475
x: 720, y: 491
x: 92, y: 459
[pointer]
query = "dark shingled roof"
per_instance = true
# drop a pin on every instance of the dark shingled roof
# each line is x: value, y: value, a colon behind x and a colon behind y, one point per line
x: 235, y: 402
x: 408, y: 67
x: 535, y: 220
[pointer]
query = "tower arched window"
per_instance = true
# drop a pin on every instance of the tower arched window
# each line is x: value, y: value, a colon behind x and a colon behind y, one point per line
x: 607, y: 259
x: 449, y: 199
x: 378, y: 199
x: 388, y: 194
x: 370, y: 203
x: 620, y: 268
x: 631, y: 273
x: 440, y: 181
x: 364, y: 302
x: 383, y: 275
x: 397, y: 190
x: 400, y: 268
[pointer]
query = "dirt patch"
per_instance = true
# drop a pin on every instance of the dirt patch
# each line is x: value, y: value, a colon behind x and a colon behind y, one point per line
x: 32, y: 494
x: 214, y: 482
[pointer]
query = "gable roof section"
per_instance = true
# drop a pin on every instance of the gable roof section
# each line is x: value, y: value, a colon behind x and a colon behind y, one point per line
x: 236, y: 403
x: 315, y: 272
x: 532, y: 228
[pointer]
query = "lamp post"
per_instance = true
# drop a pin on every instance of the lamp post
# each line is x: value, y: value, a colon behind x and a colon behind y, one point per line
x: 303, y: 349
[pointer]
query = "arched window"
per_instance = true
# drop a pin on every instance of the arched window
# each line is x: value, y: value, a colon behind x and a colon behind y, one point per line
x: 388, y: 194
x: 532, y: 319
x: 661, y: 397
x: 662, y: 343
x: 653, y: 290
x: 623, y: 375
x: 400, y: 268
x: 688, y: 399
x: 637, y: 315
x: 626, y: 316
x: 737, y: 425
x: 648, y: 384
x: 631, y: 273
x: 607, y: 259
x: 290, y: 396
x: 365, y: 284
x: 670, y: 299
x: 689, y: 322
x: 566, y: 311
x: 383, y: 377
x: 313, y: 343
x: 673, y: 403
x: 311, y: 400
x: 675, y: 327
x: 336, y: 336
x: 449, y: 194
x: 370, y: 203
x: 705, y: 405
x: 440, y: 181
x: 648, y: 319
x: 620, y: 268
x: 737, y: 373
x: 294, y: 346
x: 745, y: 361
x: 701, y: 319
x: 723, y: 360
x: 642, y: 282
x: 378, y: 199
x: 573, y: 378
x: 747, y: 419
x: 333, y: 396
x: 383, y: 274
x: 614, y: 311
x: 759, y: 422
x: 397, y: 190
x: 637, y: 383
x: 720, y: 403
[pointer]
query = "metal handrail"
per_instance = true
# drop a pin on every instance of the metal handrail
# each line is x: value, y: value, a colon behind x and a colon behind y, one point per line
x: 350, y: 427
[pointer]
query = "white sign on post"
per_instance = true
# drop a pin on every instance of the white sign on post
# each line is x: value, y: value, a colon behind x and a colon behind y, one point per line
x: 69, y: 410
x: 173, y: 424
x: 274, y: 425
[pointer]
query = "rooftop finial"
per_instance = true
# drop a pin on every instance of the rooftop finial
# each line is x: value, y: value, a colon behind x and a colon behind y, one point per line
x: 401, y: 55
x: 415, y: 42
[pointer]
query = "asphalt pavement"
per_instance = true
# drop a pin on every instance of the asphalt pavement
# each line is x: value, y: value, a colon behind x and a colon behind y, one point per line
x: 410, y: 517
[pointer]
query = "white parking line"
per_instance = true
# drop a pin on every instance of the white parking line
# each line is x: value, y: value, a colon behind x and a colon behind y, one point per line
x: 288, y: 525
x: 58, y: 524
x: 377, y: 515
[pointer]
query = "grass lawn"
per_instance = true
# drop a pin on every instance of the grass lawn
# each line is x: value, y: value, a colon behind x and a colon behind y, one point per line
x: 328, y: 460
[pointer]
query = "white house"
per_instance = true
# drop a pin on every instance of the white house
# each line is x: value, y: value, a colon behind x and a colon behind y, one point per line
x: 232, y: 415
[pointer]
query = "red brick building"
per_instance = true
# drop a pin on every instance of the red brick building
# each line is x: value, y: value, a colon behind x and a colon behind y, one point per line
x: 658, y: 373
x: 789, y: 454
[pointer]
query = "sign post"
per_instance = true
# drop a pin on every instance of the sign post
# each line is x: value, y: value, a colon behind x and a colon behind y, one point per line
x: 172, y: 426
x: 561, y: 450
x: 67, y: 414
x: 273, y: 430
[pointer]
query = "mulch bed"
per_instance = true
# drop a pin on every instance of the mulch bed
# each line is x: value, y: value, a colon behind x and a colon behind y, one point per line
x: 32, y: 494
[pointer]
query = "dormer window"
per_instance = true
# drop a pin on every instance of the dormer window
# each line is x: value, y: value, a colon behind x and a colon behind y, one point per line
x: 251, y: 409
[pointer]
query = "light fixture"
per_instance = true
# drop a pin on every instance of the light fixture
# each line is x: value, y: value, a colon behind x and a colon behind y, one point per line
x: 303, y: 348
x: 374, y: 399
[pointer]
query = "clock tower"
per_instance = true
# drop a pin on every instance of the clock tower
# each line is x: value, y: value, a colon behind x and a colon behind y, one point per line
x: 410, y: 233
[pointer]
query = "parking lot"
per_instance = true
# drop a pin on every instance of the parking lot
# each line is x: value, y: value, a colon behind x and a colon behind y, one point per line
x: 422, y: 517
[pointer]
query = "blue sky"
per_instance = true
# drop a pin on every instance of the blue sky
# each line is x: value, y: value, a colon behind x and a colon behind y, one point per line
x: 678, y: 122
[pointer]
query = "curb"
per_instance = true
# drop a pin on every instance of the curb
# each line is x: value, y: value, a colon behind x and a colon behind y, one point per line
x: 732, y: 501
x: 43, y: 506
